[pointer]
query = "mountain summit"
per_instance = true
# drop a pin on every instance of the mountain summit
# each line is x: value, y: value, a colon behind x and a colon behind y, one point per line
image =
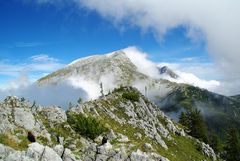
x: 115, y: 66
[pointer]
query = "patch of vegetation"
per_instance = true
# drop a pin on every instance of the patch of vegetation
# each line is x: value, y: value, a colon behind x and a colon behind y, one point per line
x: 8, y: 140
x: 120, y: 89
x: 86, y: 126
x: 193, y: 121
x: 131, y: 95
x: 183, y: 149
x: 232, y: 146
x: 42, y: 140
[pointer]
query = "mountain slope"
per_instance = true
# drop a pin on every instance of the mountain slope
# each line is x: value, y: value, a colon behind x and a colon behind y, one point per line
x: 220, y: 112
x: 115, y: 65
x: 117, y: 69
x: 137, y: 130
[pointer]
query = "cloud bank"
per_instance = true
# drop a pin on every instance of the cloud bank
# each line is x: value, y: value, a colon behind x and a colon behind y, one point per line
x: 140, y: 59
x: 217, y: 22
x: 149, y: 68
x: 47, y: 95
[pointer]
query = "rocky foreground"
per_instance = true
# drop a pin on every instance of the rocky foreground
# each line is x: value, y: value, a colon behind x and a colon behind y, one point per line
x: 136, y: 130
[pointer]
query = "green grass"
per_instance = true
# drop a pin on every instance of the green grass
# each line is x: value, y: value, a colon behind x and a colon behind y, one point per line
x: 8, y: 140
x: 183, y: 150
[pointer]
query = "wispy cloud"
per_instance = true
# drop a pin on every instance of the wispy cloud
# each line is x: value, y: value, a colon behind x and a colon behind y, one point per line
x: 43, y: 58
x: 27, y: 44
x: 35, y: 65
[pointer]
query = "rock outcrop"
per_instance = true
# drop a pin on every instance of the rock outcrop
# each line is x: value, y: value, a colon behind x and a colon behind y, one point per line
x: 137, y: 130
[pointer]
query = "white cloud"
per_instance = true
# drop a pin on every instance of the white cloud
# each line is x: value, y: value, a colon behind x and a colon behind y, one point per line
x: 43, y: 58
x: 92, y: 88
x: 144, y: 65
x: 38, y: 63
x: 60, y: 95
x: 140, y: 59
x: 24, y: 74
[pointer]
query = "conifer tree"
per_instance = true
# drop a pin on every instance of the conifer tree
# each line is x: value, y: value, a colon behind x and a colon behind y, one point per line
x: 193, y: 121
x: 232, y: 146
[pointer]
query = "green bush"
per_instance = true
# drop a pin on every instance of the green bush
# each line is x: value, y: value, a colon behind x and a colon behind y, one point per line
x: 133, y: 96
x: 86, y: 126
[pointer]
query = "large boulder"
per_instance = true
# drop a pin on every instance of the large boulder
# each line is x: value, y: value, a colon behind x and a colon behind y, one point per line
x: 54, y: 115
x: 24, y: 118
x: 37, y: 151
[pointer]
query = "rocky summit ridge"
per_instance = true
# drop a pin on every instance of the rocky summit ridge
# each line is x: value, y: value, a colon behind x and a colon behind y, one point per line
x: 134, y: 130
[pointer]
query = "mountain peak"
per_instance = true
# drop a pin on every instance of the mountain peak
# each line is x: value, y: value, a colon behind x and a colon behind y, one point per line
x: 116, y: 65
x: 166, y: 70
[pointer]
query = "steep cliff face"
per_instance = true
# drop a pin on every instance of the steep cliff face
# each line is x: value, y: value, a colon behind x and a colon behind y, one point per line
x: 127, y: 126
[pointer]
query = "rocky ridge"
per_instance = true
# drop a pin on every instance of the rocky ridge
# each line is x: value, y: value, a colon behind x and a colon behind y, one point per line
x: 137, y: 130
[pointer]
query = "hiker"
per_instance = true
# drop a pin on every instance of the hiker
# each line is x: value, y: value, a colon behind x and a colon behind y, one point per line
x: 31, y: 137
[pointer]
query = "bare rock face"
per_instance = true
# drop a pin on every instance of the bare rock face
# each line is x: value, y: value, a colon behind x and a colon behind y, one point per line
x: 37, y: 151
x: 143, y: 156
x: 122, y: 138
x: 24, y: 118
x: 54, y: 114
x: 207, y: 150
x: 148, y: 146
x: 5, y: 151
x: 6, y: 119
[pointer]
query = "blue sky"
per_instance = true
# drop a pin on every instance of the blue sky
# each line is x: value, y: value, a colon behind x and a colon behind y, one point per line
x: 68, y: 32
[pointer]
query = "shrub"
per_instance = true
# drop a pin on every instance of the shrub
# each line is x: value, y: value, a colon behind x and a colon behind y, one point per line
x: 87, y: 126
x: 132, y: 96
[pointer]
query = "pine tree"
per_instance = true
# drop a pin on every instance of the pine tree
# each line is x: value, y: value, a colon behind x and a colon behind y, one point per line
x: 197, y: 126
x: 193, y: 121
x: 184, y: 120
x: 232, y: 147
x: 214, y: 142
